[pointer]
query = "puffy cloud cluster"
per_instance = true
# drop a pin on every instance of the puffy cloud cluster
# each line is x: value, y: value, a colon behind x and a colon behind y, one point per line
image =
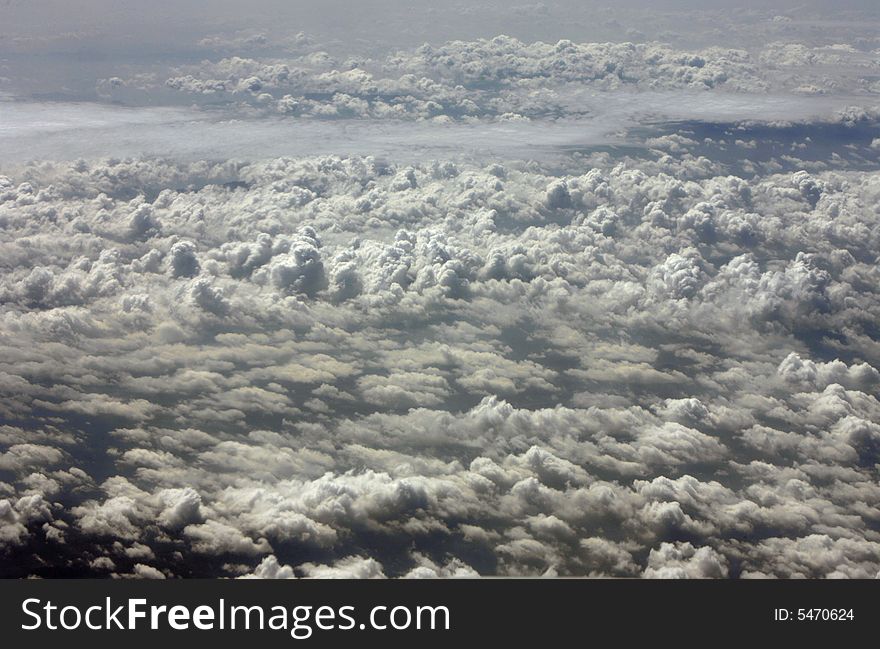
x: 507, y: 61
x: 501, y: 78
x: 335, y: 367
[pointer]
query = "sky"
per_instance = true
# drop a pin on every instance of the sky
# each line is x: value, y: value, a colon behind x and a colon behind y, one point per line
x: 436, y: 290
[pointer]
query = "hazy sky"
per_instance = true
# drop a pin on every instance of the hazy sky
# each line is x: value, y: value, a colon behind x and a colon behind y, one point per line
x: 166, y: 21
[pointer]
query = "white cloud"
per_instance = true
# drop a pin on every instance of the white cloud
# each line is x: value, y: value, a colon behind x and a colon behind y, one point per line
x: 431, y: 329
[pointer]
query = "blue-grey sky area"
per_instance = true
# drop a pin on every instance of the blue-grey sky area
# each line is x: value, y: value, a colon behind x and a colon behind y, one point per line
x: 439, y: 289
x: 134, y: 30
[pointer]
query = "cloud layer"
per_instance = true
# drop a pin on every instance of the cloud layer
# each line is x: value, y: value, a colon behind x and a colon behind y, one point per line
x: 492, y: 305
x: 342, y: 367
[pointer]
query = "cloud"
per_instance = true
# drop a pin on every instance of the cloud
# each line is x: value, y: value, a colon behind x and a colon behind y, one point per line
x: 683, y: 561
x: 410, y: 315
x: 347, y: 568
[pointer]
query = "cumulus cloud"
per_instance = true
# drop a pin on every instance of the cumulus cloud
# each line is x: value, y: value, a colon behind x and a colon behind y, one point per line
x: 683, y: 561
x: 655, y: 360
